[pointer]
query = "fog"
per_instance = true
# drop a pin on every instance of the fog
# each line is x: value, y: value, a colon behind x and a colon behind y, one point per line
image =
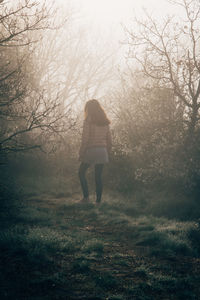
x: 99, y: 203
x: 102, y: 27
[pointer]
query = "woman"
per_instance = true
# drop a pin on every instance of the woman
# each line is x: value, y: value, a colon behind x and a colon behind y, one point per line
x: 95, y: 146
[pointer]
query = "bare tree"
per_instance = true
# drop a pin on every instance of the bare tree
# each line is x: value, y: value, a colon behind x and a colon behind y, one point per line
x: 169, y: 53
x: 21, y: 17
x: 24, y: 106
x: 45, y: 74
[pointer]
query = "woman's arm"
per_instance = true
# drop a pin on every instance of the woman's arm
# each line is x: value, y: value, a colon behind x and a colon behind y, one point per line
x: 109, y: 140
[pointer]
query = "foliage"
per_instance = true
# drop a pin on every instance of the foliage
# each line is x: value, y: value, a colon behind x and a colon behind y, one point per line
x: 23, y: 106
x: 156, y: 107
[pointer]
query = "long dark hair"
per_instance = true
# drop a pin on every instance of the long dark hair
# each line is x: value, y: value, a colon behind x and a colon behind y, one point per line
x: 95, y: 114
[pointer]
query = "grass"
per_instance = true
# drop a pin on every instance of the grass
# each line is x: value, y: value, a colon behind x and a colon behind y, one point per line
x: 57, y: 248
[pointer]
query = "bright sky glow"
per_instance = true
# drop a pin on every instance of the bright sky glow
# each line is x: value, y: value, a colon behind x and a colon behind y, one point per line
x: 102, y: 20
x: 107, y: 12
x: 106, y: 16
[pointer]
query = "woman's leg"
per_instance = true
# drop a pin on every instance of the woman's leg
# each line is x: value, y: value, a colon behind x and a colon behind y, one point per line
x: 98, y: 181
x: 82, y: 176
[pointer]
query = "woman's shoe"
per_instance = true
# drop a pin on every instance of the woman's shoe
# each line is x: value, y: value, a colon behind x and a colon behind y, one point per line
x: 85, y: 200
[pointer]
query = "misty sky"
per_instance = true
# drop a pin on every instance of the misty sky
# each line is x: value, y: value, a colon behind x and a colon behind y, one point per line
x: 105, y: 17
x: 102, y: 21
x: 106, y: 13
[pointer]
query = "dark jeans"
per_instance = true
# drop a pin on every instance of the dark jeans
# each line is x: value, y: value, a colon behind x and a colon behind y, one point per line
x: 98, y: 180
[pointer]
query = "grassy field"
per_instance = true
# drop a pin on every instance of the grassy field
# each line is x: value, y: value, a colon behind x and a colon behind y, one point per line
x: 54, y: 247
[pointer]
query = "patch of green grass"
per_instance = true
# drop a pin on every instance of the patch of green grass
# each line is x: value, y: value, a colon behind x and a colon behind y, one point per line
x: 122, y: 262
x: 162, y: 236
x: 146, y: 228
x: 93, y: 245
x: 73, y: 249
x: 58, y: 186
x: 193, y: 235
x: 65, y: 194
x: 49, y: 239
x: 105, y: 280
x: 35, y: 216
x: 141, y: 271
x: 169, y: 284
x: 140, y: 291
x: 81, y: 265
x: 116, y: 297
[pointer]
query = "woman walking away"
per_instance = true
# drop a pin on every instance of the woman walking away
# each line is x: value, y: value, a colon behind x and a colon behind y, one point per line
x: 95, y: 146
